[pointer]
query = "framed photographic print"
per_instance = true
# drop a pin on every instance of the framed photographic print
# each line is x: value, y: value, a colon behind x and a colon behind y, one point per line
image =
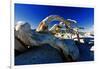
x: 48, y: 34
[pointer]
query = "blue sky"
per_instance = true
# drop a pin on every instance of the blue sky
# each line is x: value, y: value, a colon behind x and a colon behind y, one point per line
x: 34, y: 14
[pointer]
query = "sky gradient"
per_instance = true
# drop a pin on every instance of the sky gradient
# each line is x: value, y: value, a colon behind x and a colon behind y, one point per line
x: 34, y: 14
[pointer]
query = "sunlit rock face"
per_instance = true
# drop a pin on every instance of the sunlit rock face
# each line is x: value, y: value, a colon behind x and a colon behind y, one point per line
x: 22, y: 35
x: 21, y: 25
